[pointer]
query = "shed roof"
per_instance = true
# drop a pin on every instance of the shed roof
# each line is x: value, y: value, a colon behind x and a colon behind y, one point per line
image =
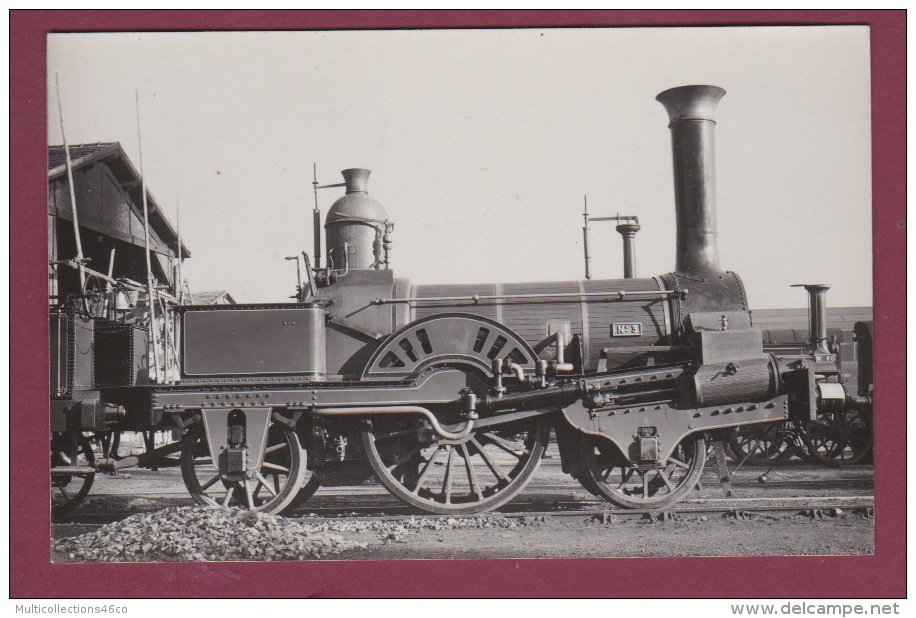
x: 80, y: 154
x: 114, y: 156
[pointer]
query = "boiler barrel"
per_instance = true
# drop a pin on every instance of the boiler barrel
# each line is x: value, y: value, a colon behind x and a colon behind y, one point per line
x: 604, y: 322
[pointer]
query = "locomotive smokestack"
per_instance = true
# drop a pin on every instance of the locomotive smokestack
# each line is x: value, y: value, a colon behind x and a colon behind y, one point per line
x: 691, y: 114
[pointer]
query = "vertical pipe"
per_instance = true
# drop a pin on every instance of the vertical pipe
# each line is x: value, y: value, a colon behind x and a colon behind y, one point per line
x: 628, y: 231
x: 316, y: 218
x: 76, y: 223
x: 178, y: 283
x: 58, y: 355
x: 108, y: 288
x: 151, y: 303
x: 585, y: 233
x: 52, y: 255
x: 178, y: 287
x: 691, y: 114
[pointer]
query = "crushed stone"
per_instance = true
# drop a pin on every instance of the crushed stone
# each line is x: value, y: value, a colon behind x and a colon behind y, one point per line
x: 183, y: 534
x: 195, y: 533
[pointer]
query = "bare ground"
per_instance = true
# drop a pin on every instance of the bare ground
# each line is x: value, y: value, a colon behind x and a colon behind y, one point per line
x: 569, y: 536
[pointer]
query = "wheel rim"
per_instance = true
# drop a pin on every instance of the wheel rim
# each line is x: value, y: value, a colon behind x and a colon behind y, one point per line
x: 760, y: 444
x: 275, y: 487
x: 308, y: 489
x: 68, y: 492
x: 840, y: 439
x: 480, y: 472
x: 625, y: 485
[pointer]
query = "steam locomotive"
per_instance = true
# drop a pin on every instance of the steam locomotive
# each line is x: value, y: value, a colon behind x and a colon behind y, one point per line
x: 448, y: 393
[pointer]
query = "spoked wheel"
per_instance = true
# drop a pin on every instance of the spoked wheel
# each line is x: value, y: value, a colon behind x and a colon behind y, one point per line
x: 761, y: 444
x: 478, y: 472
x: 629, y: 486
x: 69, y: 490
x: 276, y: 485
x: 839, y: 438
x: 95, y: 297
x: 454, y: 477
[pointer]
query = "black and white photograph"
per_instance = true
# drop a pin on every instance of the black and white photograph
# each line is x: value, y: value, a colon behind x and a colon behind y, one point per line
x: 460, y: 294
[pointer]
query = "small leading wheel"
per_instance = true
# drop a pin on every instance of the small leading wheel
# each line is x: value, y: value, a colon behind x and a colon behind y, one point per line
x: 95, y: 297
x: 761, y: 444
x: 839, y: 438
x: 631, y: 486
x: 480, y: 472
x: 279, y: 484
x: 69, y: 490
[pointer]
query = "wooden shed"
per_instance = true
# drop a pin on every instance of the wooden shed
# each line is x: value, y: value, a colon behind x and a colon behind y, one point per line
x: 110, y: 213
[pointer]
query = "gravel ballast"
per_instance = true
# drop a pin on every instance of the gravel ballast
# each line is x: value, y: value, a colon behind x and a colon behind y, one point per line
x: 189, y: 534
x: 182, y: 534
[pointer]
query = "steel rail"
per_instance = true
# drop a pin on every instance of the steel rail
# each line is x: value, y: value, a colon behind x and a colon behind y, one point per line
x: 723, y: 506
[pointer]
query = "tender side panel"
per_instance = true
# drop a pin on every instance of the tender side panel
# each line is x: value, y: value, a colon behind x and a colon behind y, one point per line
x: 251, y: 340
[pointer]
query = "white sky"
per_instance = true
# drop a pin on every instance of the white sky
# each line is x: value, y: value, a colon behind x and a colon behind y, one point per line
x: 482, y: 144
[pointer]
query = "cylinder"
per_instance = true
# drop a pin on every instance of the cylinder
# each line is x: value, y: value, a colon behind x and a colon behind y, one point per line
x: 628, y: 231
x: 691, y: 114
x: 736, y: 382
x: 355, y: 225
x: 817, y: 316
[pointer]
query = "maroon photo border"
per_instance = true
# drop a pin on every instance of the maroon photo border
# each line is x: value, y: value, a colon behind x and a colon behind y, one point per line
x: 32, y: 575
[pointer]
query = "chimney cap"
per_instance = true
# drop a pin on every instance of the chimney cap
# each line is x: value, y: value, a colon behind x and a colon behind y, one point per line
x: 356, y: 179
x: 812, y: 286
x: 691, y: 102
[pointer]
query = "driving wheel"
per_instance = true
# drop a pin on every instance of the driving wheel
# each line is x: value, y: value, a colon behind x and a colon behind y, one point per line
x: 477, y: 473
x: 476, y: 470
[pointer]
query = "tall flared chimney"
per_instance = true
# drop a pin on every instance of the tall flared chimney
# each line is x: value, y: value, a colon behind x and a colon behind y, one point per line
x: 691, y: 114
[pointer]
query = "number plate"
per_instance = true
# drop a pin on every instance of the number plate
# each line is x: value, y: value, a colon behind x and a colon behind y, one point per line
x: 626, y: 329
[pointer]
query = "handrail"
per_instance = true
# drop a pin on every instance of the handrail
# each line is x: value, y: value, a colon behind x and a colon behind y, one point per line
x: 476, y: 298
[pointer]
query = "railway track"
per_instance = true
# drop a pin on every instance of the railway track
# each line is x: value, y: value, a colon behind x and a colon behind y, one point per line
x: 590, y: 509
x: 553, y: 496
x: 854, y: 483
